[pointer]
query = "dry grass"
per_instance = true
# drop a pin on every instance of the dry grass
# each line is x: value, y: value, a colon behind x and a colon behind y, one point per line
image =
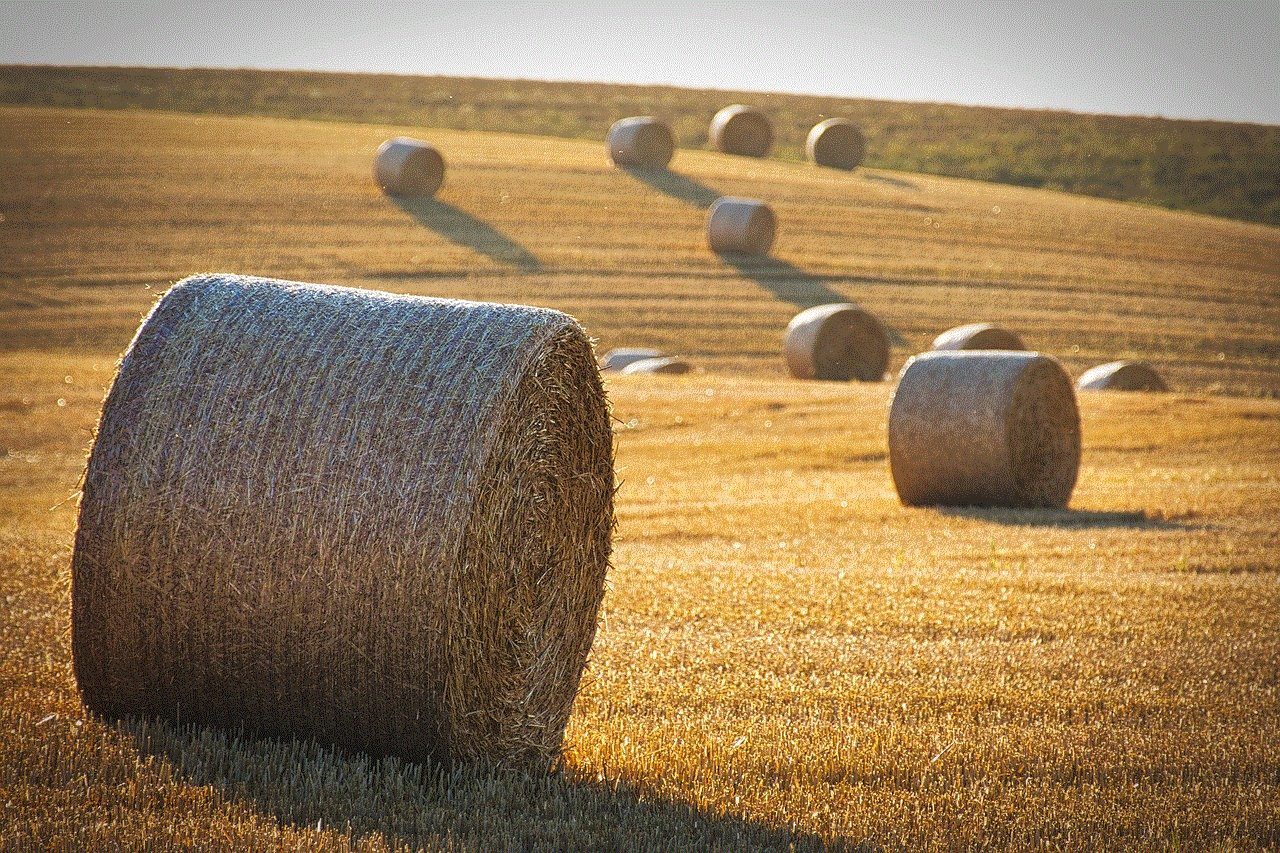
x: 788, y: 657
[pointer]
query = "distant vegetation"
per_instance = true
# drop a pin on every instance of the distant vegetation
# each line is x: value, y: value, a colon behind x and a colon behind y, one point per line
x: 1217, y: 168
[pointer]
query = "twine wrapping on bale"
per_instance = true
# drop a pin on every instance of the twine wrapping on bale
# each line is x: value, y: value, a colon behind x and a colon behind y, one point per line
x: 641, y: 141
x: 667, y: 366
x: 984, y: 429
x: 739, y: 129
x: 1121, y: 376
x: 836, y: 142
x: 408, y: 167
x: 616, y: 359
x: 379, y: 521
x: 978, y: 336
x: 744, y: 226
x: 839, y: 341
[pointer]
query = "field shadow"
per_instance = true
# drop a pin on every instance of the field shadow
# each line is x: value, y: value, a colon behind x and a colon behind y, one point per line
x: 413, y: 806
x: 891, y: 181
x: 463, y: 229
x: 675, y: 185
x: 1069, y: 518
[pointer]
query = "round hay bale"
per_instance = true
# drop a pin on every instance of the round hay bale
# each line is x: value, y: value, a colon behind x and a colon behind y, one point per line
x: 408, y: 167
x: 744, y: 226
x: 739, y: 129
x: 978, y: 336
x: 379, y: 521
x: 616, y: 359
x: 839, y: 341
x: 1121, y: 376
x: 641, y: 141
x: 668, y: 366
x: 836, y: 142
x: 984, y: 429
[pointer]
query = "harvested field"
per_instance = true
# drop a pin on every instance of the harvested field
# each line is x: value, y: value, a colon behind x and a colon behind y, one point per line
x: 788, y: 658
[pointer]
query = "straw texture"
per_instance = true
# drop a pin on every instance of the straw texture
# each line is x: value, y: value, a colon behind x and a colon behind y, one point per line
x: 984, y: 429
x: 1121, y: 376
x: 978, y: 336
x: 379, y: 521
x: 739, y: 129
x: 836, y: 142
x: 641, y: 141
x: 839, y: 341
x: 408, y: 167
x: 744, y: 226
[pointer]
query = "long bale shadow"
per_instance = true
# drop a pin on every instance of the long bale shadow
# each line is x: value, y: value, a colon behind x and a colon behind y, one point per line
x: 464, y: 229
x: 675, y: 185
x: 305, y: 785
x: 1068, y: 518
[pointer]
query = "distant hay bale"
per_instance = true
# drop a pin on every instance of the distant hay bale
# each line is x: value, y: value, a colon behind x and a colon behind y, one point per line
x: 379, y: 521
x: 1121, y: 376
x: 616, y: 359
x: 408, y: 167
x: 978, y: 336
x: 739, y: 129
x: 836, y: 142
x: 667, y: 365
x: 984, y: 429
x: 641, y: 141
x: 744, y: 226
x: 839, y: 341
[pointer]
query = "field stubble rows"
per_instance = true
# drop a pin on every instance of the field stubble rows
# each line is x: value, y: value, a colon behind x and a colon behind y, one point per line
x: 787, y: 657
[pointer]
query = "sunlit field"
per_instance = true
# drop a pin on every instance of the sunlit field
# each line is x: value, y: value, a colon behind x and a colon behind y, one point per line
x: 788, y: 658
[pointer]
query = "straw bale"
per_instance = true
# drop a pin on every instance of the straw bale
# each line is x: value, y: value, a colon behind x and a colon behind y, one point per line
x: 984, y: 428
x: 836, y: 142
x: 978, y: 336
x: 1121, y: 376
x: 838, y: 341
x: 379, y: 521
x: 616, y: 359
x: 408, y: 167
x: 739, y: 129
x: 641, y: 141
x: 744, y: 226
x: 668, y: 365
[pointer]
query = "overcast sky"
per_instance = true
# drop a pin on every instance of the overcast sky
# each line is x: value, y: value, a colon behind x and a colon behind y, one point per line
x: 1174, y: 59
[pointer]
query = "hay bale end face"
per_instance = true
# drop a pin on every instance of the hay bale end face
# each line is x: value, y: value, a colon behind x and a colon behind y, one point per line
x: 839, y: 341
x: 616, y: 359
x: 1121, y: 376
x: 641, y: 141
x: 973, y: 336
x: 666, y: 366
x: 408, y: 167
x: 379, y: 521
x: 836, y: 142
x: 743, y: 130
x: 744, y: 226
x: 984, y: 429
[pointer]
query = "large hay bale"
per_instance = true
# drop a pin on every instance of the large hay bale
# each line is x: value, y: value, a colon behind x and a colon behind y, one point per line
x: 379, y: 521
x: 1121, y: 376
x: 739, y: 129
x: 838, y: 341
x: 744, y: 226
x: 620, y: 357
x: 984, y: 429
x: 978, y: 336
x: 408, y: 167
x: 836, y: 142
x: 641, y: 141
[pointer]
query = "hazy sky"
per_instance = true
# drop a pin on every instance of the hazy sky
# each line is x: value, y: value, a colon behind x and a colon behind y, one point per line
x: 1175, y: 59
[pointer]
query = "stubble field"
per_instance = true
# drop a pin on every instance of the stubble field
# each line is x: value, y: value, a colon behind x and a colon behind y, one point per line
x: 787, y: 657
